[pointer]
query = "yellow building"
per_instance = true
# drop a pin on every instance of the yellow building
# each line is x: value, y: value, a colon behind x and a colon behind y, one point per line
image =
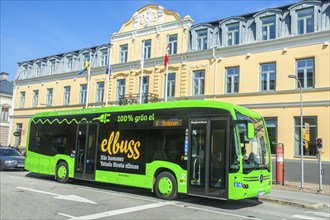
x: 243, y: 59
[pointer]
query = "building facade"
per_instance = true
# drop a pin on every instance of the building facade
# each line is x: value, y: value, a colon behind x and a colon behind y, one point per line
x: 6, y: 95
x: 245, y: 60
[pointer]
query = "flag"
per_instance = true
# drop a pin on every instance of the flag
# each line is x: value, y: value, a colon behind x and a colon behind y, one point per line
x: 166, y: 56
x: 85, y: 68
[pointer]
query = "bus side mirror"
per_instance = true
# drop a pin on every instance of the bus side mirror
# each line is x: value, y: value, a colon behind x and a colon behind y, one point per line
x: 250, y: 130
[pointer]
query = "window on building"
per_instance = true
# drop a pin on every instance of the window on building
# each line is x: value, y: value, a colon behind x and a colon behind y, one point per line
x: 268, y: 27
x: 147, y: 49
x: 104, y: 57
x: 123, y: 53
x: 66, y: 95
x: 4, y: 114
x: 170, y: 85
x: 69, y: 63
x: 305, y: 20
x: 38, y: 69
x: 305, y: 72
x: 201, y: 39
x: 232, y: 79
x: 145, y: 84
x: 24, y: 71
x: 173, y: 42
x: 310, y: 147
x: 19, y: 128
x: 120, y: 88
x: 22, y: 100
x: 99, y: 91
x: 52, y: 66
x: 49, y: 99
x: 83, y: 93
x: 198, y: 82
x: 271, y: 124
x: 268, y: 76
x: 35, y: 98
x: 233, y: 34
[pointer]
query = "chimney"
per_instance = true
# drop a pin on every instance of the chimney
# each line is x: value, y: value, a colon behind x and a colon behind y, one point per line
x: 4, y: 76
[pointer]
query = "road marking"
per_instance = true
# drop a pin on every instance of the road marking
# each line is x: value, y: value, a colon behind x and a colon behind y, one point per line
x: 217, y: 212
x: 319, y: 214
x: 305, y: 217
x: 65, y: 215
x: 124, y: 211
x: 58, y: 196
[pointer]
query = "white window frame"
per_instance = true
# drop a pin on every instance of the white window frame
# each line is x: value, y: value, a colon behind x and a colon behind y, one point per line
x: 268, y: 27
x: 170, y: 85
x: 49, y: 97
x: 305, y: 72
x: 268, y: 74
x: 121, y: 88
x: 66, y: 95
x: 305, y: 20
x: 52, y: 66
x: 83, y: 94
x: 22, y: 99
x: 99, y: 91
x: 147, y: 49
x: 233, y: 78
x: 104, y: 56
x: 38, y: 68
x: 198, y: 83
x: 173, y: 43
x: 69, y: 63
x: 202, y: 40
x: 35, y: 98
x: 123, y: 53
x: 232, y: 34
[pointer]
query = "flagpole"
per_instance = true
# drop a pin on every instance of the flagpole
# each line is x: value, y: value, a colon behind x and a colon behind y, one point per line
x: 142, y: 66
x: 166, y: 81
x: 166, y: 72
x: 88, y: 78
x: 108, y: 79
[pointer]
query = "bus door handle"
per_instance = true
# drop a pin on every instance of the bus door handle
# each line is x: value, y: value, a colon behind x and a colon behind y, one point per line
x: 194, y: 169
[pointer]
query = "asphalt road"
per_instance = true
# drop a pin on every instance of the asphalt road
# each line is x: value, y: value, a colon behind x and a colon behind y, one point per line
x: 31, y: 196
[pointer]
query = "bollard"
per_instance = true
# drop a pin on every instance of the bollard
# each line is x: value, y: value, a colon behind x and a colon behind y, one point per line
x: 280, y: 164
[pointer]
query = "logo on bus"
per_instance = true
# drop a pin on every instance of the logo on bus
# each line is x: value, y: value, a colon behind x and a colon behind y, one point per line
x: 113, y: 145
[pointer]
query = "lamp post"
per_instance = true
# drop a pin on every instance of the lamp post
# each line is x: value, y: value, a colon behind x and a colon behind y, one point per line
x: 293, y: 76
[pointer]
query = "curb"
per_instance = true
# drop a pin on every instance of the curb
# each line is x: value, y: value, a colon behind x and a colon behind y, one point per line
x: 297, y: 203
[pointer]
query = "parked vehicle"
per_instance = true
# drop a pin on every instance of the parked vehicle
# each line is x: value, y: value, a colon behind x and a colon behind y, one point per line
x: 11, y: 159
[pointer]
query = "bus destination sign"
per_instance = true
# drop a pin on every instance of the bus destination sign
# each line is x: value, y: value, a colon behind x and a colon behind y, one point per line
x: 175, y: 122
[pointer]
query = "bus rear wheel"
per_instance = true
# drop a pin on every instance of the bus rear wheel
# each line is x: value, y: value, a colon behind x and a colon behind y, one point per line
x: 62, y: 172
x: 166, y: 186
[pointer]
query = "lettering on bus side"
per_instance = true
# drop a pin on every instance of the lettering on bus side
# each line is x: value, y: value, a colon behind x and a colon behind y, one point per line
x: 120, y: 154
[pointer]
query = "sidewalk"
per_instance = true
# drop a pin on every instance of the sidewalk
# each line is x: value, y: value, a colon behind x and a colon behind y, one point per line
x: 291, y: 194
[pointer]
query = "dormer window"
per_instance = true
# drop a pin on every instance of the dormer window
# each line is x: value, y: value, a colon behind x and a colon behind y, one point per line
x: 305, y: 20
x: 201, y: 39
x: 104, y: 57
x: 24, y: 71
x: 52, y: 65
x: 268, y: 27
x: 233, y: 34
x: 38, y: 69
x: 69, y: 63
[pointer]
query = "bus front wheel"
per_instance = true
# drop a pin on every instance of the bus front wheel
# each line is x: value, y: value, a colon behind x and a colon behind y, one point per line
x: 166, y: 186
x: 62, y: 172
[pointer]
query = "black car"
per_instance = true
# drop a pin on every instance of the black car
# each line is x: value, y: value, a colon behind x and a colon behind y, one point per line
x: 11, y: 159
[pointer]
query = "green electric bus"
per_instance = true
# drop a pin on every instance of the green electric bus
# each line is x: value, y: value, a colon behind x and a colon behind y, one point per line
x: 197, y: 147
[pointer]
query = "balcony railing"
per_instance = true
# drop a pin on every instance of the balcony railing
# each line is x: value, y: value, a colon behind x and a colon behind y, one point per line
x: 132, y: 99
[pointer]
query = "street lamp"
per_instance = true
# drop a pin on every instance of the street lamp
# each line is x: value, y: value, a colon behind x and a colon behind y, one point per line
x: 293, y: 76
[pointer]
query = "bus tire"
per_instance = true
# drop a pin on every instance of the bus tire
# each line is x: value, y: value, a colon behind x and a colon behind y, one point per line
x: 62, y: 172
x: 166, y: 186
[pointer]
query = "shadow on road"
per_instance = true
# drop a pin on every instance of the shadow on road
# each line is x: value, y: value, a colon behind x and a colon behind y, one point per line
x: 185, y: 199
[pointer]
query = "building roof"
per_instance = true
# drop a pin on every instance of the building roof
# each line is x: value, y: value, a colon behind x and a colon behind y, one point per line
x: 6, y: 87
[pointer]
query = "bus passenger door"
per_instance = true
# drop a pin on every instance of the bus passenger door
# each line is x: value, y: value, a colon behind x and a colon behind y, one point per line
x: 207, y: 156
x: 86, y: 142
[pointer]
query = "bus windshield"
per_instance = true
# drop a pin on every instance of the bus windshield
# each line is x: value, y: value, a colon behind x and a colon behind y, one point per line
x: 255, y: 152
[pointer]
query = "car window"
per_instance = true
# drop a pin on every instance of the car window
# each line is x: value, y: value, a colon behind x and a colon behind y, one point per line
x: 9, y: 152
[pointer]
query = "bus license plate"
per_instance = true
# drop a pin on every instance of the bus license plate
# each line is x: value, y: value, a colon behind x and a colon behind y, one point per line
x: 261, y: 194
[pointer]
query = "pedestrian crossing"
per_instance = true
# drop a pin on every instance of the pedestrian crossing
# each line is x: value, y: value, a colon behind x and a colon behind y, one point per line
x: 312, y: 215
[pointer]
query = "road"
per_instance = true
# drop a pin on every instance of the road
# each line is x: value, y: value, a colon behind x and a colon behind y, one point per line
x: 30, y: 196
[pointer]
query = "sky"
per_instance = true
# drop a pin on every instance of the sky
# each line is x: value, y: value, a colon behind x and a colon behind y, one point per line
x: 40, y: 28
